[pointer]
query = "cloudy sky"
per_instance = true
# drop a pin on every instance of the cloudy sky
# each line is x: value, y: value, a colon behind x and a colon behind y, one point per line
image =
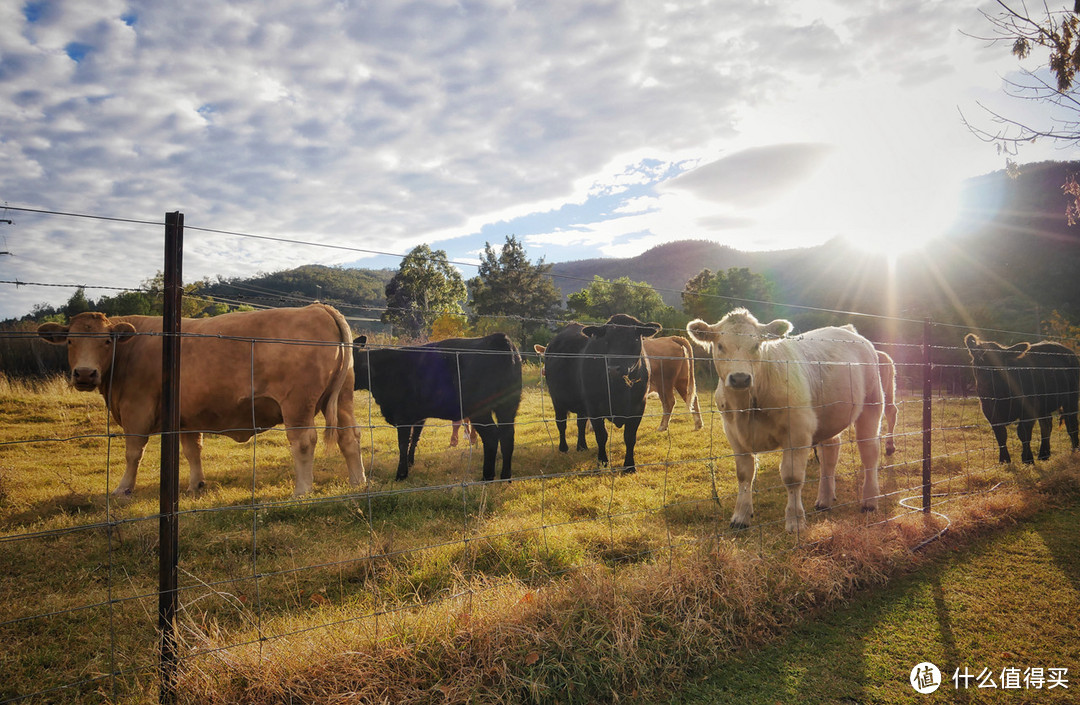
x: 592, y: 128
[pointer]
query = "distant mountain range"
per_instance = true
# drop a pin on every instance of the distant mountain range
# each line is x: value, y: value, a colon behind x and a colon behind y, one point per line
x: 1010, y: 260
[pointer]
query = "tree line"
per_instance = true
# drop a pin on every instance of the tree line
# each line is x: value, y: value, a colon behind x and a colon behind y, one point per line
x: 428, y: 297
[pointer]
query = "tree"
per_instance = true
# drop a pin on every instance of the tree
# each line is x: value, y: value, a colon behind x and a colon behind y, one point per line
x: 509, y: 285
x: 425, y: 286
x: 1057, y: 32
x: 709, y: 296
x: 604, y: 298
x: 77, y: 304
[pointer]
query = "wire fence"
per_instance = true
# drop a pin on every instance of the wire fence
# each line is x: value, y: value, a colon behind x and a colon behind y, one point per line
x: 261, y: 569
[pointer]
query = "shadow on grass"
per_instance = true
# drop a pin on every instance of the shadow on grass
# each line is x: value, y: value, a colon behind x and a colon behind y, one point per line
x: 990, y: 605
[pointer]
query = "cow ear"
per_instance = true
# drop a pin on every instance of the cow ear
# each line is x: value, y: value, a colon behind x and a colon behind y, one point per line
x: 648, y: 330
x: 778, y: 328
x: 701, y: 332
x: 1019, y: 348
x: 359, y: 341
x: 53, y: 333
x: 122, y: 331
x: 539, y: 349
x: 594, y: 331
x: 971, y: 341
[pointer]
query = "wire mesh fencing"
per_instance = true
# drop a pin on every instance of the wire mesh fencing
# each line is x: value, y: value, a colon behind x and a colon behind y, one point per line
x: 269, y: 560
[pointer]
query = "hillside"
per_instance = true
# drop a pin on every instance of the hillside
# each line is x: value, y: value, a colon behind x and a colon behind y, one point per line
x: 1011, y: 259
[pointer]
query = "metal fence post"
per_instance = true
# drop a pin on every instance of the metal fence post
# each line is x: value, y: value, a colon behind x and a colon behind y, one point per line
x: 926, y: 416
x: 170, y: 454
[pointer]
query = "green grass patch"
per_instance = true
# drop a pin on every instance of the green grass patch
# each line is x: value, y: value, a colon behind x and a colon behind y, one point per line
x: 569, y: 584
x: 1005, y: 601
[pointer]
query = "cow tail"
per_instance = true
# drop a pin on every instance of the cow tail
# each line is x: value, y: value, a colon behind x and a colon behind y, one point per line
x: 341, y: 376
x: 691, y: 386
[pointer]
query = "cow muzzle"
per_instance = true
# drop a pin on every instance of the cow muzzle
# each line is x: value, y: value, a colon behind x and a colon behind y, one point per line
x: 85, y: 379
x: 739, y: 380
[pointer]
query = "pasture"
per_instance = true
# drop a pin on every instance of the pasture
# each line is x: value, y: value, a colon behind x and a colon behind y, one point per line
x: 270, y: 586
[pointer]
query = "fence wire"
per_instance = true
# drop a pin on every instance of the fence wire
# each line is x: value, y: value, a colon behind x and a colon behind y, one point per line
x: 261, y: 568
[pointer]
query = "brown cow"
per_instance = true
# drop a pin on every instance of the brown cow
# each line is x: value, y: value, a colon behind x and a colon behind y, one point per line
x: 241, y: 373
x: 671, y: 369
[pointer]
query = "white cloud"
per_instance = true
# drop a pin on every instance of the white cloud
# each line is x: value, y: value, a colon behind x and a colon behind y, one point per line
x: 383, y: 125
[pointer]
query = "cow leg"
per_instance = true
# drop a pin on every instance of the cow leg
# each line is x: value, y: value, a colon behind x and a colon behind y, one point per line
x: 349, y: 444
x: 829, y: 454
x: 793, y: 474
x: 133, y: 452
x: 560, y: 423
x: 867, y: 430
x: 1045, y: 428
x: 1071, y: 425
x: 667, y: 400
x: 302, y: 438
x: 695, y: 410
x: 506, y: 438
x: 1001, y: 437
x: 745, y: 467
x: 1024, y: 427
x: 890, y: 425
x: 630, y: 440
x: 582, y: 431
x: 600, y: 431
x: 414, y: 440
x: 403, y: 435
x: 192, y: 444
x: 489, y: 438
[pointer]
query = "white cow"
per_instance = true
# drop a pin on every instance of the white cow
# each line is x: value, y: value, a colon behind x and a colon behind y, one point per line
x: 776, y: 392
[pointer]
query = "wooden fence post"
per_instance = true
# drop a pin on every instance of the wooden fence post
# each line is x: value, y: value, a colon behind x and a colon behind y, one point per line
x: 170, y: 454
x: 927, y: 417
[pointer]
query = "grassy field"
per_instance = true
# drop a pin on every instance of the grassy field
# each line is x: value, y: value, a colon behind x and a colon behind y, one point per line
x: 1005, y: 601
x: 416, y: 588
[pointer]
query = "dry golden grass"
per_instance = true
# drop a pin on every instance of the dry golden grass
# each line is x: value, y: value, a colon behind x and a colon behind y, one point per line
x: 566, y: 585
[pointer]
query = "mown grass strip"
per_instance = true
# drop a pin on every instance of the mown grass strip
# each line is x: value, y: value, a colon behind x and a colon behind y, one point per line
x: 1006, y: 601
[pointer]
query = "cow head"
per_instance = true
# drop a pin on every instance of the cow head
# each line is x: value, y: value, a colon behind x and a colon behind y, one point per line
x: 990, y: 362
x: 987, y: 353
x: 619, y: 342
x: 90, y: 339
x: 735, y: 343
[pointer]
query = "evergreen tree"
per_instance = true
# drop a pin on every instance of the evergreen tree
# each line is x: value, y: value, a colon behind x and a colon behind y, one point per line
x: 508, y: 285
x: 77, y: 304
x: 425, y: 287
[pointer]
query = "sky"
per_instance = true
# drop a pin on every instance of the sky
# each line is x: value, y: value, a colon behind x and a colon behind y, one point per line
x: 586, y: 129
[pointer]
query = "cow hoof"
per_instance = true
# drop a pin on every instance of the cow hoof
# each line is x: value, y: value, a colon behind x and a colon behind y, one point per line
x: 739, y: 526
x: 822, y: 507
x: 401, y: 475
x: 565, y: 449
x: 629, y: 470
x: 867, y: 510
x: 122, y: 493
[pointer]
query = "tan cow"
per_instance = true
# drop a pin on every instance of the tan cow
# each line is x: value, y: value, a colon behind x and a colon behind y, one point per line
x: 671, y: 369
x: 777, y: 392
x: 241, y: 373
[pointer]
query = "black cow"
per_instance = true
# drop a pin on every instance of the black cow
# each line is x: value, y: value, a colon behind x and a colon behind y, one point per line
x: 598, y: 373
x: 1026, y: 383
x: 452, y: 379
